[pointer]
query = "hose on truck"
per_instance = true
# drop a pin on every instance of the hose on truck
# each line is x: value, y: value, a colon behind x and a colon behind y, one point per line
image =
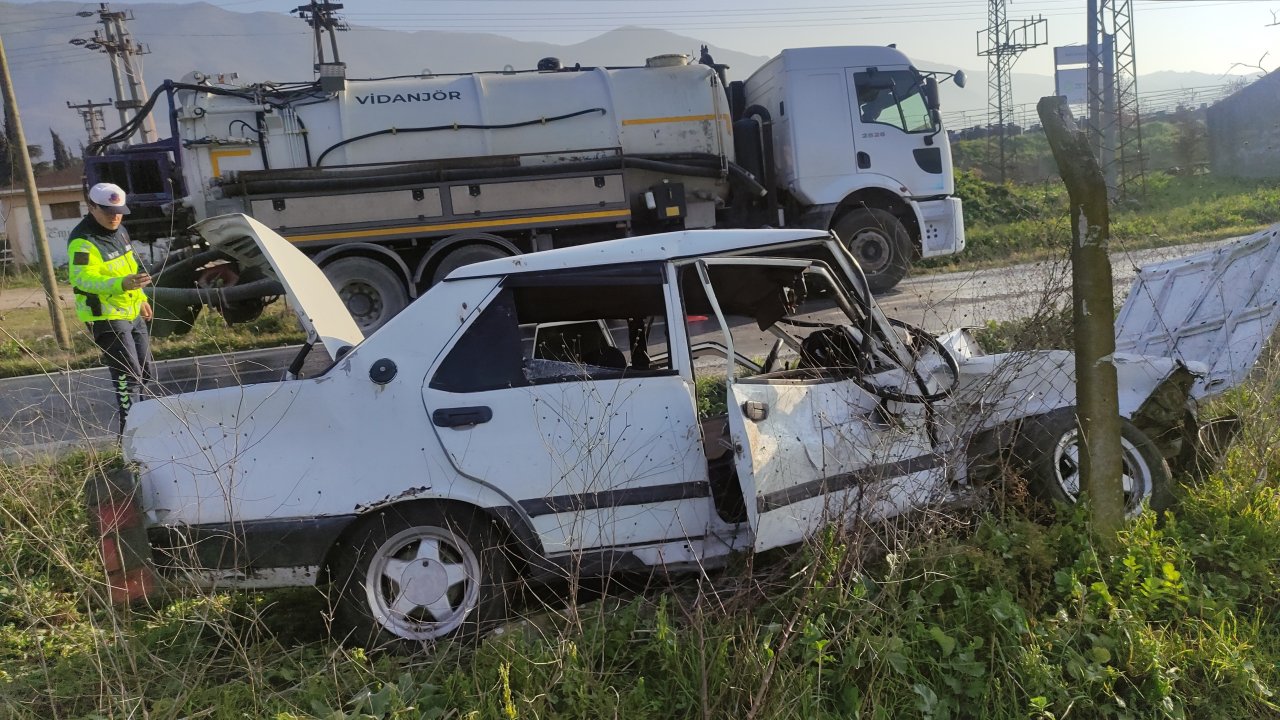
x: 319, y: 181
x: 455, y: 126
x: 215, y: 297
x: 124, y: 132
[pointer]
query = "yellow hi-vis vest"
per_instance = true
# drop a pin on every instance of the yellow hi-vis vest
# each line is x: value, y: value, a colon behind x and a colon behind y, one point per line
x: 100, y: 261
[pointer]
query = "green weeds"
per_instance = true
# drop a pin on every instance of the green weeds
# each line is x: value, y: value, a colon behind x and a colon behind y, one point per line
x: 979, y: 614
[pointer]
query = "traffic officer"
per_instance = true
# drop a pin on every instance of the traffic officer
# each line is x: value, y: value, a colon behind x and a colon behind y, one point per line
x: 108, y: 287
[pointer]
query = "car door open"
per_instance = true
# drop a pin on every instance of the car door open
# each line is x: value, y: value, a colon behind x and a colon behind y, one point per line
x: 835, y: 425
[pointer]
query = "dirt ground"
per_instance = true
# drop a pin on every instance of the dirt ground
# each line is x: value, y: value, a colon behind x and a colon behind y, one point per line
x: 32, y: 297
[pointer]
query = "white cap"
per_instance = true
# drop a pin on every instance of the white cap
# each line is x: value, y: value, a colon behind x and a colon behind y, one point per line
x: 108, y: 196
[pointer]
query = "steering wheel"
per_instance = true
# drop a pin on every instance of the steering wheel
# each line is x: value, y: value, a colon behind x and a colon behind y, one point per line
x: 920, y: 344
x: 844, y: 346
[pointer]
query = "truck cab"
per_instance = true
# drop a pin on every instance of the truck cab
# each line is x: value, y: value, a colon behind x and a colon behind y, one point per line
x: 858, y: 148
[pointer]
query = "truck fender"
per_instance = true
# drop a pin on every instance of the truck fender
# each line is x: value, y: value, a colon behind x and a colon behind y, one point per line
x: 447, y: 245
x: 875, y: 187
x: 347, y: 249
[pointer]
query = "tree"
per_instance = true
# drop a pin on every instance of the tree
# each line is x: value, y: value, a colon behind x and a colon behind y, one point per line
x: 61, y: 155
x: 1097, y: 404
x: 6, y: 156
x: 1191, y: 143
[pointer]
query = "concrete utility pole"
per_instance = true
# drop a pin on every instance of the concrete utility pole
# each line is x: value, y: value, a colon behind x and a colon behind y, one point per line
x: 94, y: 125
x: 115, y: 42
x: 1097, y: 399
x: 33, y: 206
x: 322, y: 16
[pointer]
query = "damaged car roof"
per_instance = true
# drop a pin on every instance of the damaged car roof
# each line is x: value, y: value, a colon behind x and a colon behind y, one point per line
x: 645, y: 248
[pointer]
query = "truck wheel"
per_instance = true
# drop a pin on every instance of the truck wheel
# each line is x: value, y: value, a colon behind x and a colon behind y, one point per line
x: 1050, y: 449
x: 880, y: 244
x: 465, y: 255
x: 372, y: 292
x: 418, y: 573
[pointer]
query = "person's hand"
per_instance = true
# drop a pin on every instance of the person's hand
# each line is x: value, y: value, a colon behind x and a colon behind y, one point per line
x: 136, y: 281
x: 147, y: 313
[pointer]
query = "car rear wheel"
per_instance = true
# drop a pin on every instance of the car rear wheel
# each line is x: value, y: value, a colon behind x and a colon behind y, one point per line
x: 1051, y: 449
x: 415, y: 574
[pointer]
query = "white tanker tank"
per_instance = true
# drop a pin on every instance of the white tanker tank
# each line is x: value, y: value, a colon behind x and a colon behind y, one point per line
x: 670, y: 109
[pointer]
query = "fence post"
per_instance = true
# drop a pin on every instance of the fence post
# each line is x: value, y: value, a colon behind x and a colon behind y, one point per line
x: 1093, y: 316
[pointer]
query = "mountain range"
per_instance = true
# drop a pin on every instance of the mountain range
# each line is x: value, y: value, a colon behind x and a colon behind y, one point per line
x: 48, y: 72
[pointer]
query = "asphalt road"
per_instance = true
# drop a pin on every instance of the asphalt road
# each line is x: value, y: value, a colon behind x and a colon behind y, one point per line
x: 42, y: 414
x: 947, y: 301
x: 57, y: 411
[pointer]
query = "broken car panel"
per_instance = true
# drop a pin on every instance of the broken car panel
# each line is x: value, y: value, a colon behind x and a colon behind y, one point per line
x: 1217, y: 307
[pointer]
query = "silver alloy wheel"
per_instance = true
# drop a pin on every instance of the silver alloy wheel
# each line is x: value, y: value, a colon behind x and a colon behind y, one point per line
x: 1136, y: 474
x: 422, y: 583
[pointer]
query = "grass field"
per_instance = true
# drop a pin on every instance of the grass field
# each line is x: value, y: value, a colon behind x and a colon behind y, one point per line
x: 1007, y: 224
x: 27, y: 345
x: 999, y: 609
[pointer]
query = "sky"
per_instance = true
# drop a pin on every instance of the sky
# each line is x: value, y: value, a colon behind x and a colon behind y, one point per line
x: 1208, y: 36
x: 1211, y: 36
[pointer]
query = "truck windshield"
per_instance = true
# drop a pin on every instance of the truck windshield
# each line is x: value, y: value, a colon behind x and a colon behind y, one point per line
x: 893, y: 97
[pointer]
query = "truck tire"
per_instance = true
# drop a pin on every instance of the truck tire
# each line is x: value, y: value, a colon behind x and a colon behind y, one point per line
x: 880, y: 244
x: 465, y: 255
x: 414, y: 574
x: 1049, y: 449
x: 372, y: 292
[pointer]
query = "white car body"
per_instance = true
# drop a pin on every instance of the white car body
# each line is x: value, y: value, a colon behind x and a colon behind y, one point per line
x: 596, y: 470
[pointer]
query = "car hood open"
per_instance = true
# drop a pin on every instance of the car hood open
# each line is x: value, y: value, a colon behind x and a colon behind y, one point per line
x: 322, y: 313
x: 1218, y: 307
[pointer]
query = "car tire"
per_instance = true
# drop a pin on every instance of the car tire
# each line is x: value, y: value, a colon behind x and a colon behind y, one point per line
x: 408, y: 576
x: 372, y: 292
x: 880, y: 244
x: 1049, y: 448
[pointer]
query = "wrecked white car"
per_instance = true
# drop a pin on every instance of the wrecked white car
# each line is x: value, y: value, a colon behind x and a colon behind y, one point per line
x: 660, y: 401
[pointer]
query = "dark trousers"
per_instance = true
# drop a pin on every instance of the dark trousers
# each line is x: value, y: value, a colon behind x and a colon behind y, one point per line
x: 126, y: 351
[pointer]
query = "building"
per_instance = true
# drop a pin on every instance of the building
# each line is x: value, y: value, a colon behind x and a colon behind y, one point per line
x: 1244, y: 131
x: 61, y: 203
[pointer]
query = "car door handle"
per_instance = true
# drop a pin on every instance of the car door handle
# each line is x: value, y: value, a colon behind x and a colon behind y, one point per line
x: 461, y: 416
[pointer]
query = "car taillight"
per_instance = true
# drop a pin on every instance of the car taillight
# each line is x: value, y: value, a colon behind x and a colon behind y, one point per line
x: 126, y: 554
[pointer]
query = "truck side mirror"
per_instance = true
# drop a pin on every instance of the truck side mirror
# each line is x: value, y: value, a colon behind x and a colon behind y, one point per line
x: 958, y: 79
